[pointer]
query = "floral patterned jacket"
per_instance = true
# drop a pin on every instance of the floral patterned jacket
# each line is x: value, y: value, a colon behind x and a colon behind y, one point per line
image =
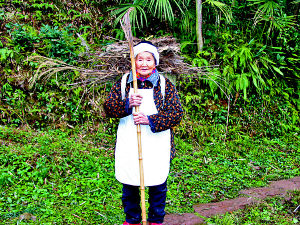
x: 169, y: 111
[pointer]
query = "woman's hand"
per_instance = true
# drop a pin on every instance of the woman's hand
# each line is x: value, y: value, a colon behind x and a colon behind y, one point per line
x: 135, y: 100
x: 140, y: 118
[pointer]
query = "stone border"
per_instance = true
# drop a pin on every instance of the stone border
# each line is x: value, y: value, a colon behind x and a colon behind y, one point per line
x: 249, y: 196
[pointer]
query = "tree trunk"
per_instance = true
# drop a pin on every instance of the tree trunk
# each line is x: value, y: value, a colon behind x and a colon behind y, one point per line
x: 297, y: 11
x: 199, y: 25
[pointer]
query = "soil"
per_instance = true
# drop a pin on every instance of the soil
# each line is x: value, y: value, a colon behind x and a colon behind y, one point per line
x: 249, y: 196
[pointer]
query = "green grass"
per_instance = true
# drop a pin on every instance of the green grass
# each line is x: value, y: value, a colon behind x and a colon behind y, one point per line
x: 58, y: 178
x: 218, y: 171
x: 276, y: 210
x: 68, y: 176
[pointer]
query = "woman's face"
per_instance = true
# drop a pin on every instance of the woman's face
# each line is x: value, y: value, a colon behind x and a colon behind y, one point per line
x: 144, y: 63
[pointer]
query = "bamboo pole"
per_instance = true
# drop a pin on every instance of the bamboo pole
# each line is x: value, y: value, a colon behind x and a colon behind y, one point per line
x: 125, y: 23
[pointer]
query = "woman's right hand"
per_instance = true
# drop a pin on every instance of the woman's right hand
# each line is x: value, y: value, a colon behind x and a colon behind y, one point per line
x: 135, y: 100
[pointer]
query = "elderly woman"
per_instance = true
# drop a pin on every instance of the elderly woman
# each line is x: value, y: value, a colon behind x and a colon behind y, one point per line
x: 160, y: 111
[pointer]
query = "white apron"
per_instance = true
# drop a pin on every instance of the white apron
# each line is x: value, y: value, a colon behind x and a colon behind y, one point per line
x: 156, y: 148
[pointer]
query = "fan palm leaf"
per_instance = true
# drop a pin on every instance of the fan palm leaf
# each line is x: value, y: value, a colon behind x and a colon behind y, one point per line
x: 137, y: 17
x: 225, y: 9
x: 272, y: 12
x: 163, y: 8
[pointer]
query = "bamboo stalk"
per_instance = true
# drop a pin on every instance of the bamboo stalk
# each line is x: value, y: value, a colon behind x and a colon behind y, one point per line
x: 125, y: 23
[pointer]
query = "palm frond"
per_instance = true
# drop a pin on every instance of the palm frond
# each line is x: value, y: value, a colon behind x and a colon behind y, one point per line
x: 272, y: 12
x: 266, y: 8
x: 162, y: 9
x: 225, y: 9
x: 138, y: 16
x: 187, y: 22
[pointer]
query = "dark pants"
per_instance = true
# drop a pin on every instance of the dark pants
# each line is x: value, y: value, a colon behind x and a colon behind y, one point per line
x: 157, y: 203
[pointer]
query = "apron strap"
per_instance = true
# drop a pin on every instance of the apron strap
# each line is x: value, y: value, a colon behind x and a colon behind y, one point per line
x: 123, y: 85
x: 162, y: 86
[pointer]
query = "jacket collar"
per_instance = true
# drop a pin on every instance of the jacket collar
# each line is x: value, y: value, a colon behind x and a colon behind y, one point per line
x: 153, y: 78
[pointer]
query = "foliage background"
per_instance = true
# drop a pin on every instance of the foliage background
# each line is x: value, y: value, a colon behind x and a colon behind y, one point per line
x: 57, y: 145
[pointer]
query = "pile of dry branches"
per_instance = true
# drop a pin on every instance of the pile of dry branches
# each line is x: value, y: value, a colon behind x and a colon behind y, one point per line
x: 117, y: 56
x: 113, y: 60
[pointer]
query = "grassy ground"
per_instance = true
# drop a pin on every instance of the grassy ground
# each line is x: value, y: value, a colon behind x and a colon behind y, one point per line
x: 67, y: 176
x: 277, y: 210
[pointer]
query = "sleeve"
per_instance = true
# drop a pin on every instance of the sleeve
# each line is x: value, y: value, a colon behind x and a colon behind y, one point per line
x: 171, y: 114
x: 114, y: 106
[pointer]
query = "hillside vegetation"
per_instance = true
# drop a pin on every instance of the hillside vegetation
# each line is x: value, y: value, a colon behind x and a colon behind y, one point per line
x: 241, y: 115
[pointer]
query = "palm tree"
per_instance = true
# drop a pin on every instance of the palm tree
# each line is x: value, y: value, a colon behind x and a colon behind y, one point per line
x: 271, y: 14
x: 199, y: 25
x: 164, y: 10
x: 161, y: 9
x: 219, y: 8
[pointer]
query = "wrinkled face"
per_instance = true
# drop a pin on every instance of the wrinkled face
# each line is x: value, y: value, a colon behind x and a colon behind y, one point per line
x: 144, y: 63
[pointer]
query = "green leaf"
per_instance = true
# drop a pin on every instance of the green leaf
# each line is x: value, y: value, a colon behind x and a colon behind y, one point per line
x: 295, y: 220
x: 277, y: 70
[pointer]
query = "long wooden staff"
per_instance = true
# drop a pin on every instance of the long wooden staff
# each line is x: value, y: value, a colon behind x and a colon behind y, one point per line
x: 125, y: 23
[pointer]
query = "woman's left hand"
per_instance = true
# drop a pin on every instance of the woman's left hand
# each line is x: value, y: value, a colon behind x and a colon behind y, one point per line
x: 140, y: 118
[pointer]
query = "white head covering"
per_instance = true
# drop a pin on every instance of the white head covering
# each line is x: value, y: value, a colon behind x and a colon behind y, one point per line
x: 145, y: 47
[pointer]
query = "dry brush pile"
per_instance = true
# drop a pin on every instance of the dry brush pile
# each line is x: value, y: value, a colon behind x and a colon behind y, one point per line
x: 112, y: 60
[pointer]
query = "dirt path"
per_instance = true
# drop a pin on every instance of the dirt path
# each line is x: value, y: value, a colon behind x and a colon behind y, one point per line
x: 276, y: 188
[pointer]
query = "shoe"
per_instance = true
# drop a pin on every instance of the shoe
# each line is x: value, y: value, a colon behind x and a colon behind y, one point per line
x: 126, y: 223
